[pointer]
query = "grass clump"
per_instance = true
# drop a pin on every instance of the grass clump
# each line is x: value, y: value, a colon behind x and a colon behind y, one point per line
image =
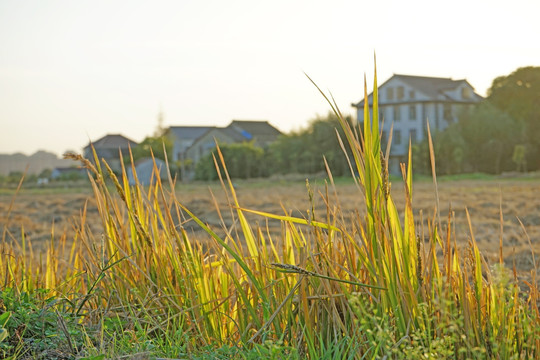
x: 333, y: 285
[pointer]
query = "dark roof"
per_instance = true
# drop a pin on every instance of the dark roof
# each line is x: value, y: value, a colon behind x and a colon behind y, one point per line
x: 189, y: 132
x: 112, y: 141
x: 254, y: 128
x: 235, y: 134
x: 429, y: 86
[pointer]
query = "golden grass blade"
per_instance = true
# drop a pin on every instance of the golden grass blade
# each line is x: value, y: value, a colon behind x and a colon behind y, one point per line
x: 293, y: 219
x: 433, y: 172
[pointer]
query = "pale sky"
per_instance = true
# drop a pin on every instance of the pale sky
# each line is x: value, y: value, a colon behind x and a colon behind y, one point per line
x: 74, y: 70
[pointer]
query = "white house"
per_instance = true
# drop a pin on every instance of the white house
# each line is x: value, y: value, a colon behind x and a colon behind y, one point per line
x: 408, y: 102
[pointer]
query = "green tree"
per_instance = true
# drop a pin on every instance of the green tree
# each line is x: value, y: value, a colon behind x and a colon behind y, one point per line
x: 490, y: 136
x: 449, y: 147
x: 243, y: 161
x: 518, y: 157
x: 14, y: 177
x: 483, y: 140
x: 152, y: 145
x: 45, y: 174
x: 304, y: 151
x: 71, y: 175
x: 281, y: 153
x: 518, y: 95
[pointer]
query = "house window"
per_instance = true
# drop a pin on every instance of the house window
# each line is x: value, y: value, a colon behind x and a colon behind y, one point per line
x: 413, y: 135
x: 390, y: 94
x: 465, y: 93
x: 412, y: 112
x: 400, y: 92
x: 397, y: 114
x: 397, y: 137
x: 412, y: 95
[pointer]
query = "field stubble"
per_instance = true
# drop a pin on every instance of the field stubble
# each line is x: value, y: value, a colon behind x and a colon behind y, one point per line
x: 37, y: 212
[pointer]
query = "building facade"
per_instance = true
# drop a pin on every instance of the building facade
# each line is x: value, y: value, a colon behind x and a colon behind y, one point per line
x: 407, y: 103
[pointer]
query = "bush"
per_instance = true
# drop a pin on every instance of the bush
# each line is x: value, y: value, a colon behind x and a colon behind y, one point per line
x: 243, y: 162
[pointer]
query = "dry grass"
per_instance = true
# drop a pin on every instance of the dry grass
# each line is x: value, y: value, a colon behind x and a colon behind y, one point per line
x: 38, y: 211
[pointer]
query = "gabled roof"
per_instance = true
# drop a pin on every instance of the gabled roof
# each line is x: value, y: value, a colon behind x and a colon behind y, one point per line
x: 432, y: 87
x: 252, y: 128
x: 112, y: 141
x: 188, y: 135
x: 189, y: 132
x: 235, y: 134
x: 429, y: 85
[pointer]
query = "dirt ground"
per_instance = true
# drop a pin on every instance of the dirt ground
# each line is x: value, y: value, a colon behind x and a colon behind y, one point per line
x: 36, y: 211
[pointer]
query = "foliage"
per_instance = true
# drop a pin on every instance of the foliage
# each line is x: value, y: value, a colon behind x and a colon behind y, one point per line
x: 490, y: 137
x: 243, y: 161
x: 517, y: 95
x: 304, y: 152
x: 156, y: 145
x: 450, y: 151
x: 14, y: 177
x: 33, y: 326
x: 46, y: 174
x: 483, y: 140
x: 518, y: 157
x: 74, y: 175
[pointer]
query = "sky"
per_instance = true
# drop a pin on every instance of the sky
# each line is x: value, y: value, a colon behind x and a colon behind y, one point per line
x: 74, y: 71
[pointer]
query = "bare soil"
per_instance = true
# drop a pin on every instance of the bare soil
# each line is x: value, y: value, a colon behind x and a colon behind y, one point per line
x: 35, y: 212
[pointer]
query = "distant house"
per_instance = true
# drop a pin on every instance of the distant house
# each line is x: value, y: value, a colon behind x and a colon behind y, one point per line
x: 191, y: 143
x: 183, y: 137
x: 261, y: 132
x: 144, y: 168
x: 109, y: 148
x: 206, y: 142
x: 408, y: 102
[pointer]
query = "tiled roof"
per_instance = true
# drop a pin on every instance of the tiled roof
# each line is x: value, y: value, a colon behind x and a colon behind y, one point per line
x: 235, y: 134
x: 189, y: 132
x: 254, y: 128
x: 429, y: 85
x: 113, y: 141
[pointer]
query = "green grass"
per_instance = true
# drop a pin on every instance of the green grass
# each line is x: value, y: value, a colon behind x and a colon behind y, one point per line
x: 332, y: 285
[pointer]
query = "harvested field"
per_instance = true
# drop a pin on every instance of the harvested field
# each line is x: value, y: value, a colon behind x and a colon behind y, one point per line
x: 36, y: 211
